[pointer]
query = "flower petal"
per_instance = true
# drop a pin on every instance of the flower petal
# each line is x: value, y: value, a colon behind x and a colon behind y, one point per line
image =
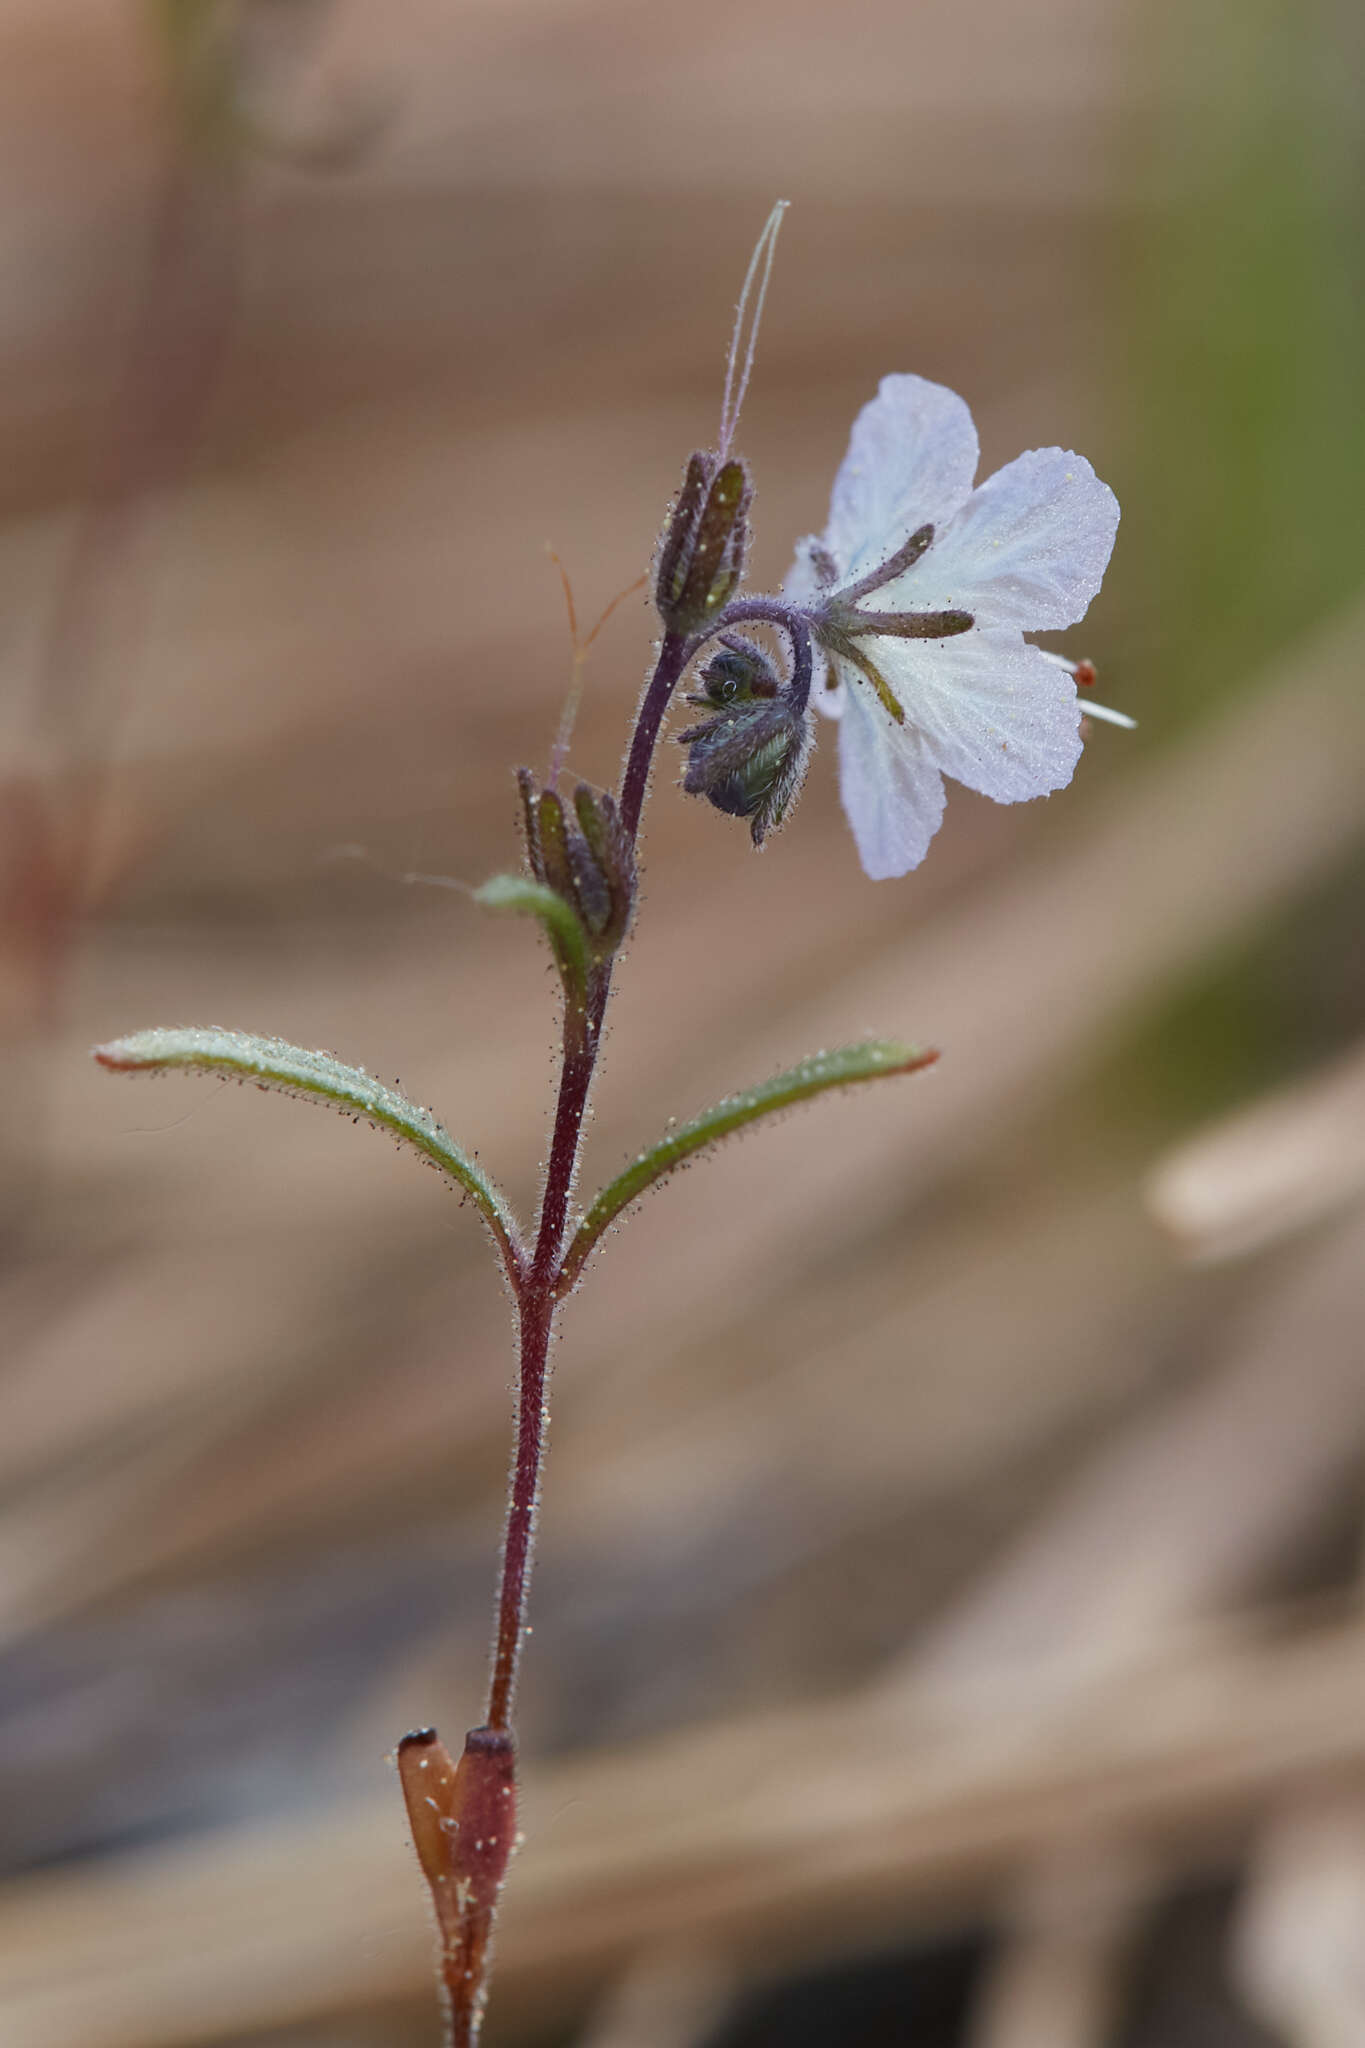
x: 910, y: 462
x: 892, y: 792
x: 1028, y: 549
x: 990, y: 710
x: 802, y: 584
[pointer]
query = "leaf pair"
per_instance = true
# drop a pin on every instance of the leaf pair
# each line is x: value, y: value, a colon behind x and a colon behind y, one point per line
x: 320, y: 1077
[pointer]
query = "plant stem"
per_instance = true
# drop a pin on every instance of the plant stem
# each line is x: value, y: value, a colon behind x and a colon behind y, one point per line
x: 537, y: 1294
x: 536, y: 1280
x: 535, y: 1317
x: 674, y: 654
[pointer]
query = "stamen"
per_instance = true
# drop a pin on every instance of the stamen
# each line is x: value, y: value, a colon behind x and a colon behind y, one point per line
x: 823, y: 563
x: 1090, y: 709
x: 904, y: 558
x: 733, y: 399
x: 1083, y: 674
x: 844, y: 644
x: 908, y: 625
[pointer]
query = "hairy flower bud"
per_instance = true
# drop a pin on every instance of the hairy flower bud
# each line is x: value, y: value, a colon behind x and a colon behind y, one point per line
x: 704, y: 543
x: 737, y: 673
x: 584, y: 855
x: 750, y: 759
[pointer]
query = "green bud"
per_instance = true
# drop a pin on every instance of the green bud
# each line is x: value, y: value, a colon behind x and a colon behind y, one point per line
x: 583, y: 855
x: 704, y: 543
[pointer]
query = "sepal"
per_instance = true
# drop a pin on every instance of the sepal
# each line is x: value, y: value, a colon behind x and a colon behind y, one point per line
x: 704, y: 543
x: 582, y: 855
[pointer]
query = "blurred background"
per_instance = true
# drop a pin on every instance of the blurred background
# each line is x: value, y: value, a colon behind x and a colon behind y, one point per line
x: 948, y: 1626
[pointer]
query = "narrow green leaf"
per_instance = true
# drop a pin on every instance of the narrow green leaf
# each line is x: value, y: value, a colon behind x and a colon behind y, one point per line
x: 522, y: 896
x: 823, y: 1071
x: 317, y: 1077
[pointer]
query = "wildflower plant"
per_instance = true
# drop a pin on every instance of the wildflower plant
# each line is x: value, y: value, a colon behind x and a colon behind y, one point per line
x: 904, y: 620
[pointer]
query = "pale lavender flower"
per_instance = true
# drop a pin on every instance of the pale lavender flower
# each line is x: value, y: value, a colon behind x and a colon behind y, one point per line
x: 919, y: 594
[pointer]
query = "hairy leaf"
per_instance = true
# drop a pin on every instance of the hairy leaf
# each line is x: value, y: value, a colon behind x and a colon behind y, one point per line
x: 317, y: 1077
x: 563, y: 927
x: 823, y: 1071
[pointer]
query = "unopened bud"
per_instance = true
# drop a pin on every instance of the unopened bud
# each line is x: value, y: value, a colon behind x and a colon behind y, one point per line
x: 613, y: 857
x: 750, y: 759
x: 582, y: 854
x: 738, y: 674
x: 704, y: 544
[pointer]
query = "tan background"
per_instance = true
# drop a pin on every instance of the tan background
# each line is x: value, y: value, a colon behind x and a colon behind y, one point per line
x: 951, y: 1525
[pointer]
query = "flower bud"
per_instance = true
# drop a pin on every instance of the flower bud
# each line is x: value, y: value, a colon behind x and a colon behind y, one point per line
x: 750, y: 759
x: 704, y: 543
x: 609, y: 848
x: 582, y: 854
x: 737, y: 674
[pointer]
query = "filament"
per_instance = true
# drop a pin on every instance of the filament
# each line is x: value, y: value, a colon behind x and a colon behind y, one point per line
x: 760, y: 261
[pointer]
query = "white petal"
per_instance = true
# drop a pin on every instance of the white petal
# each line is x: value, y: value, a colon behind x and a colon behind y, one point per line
x: 802, y: 584
x: 911, y: 459
x: 1028, y: 549
x: 891, y: 790
x: 991, y: 711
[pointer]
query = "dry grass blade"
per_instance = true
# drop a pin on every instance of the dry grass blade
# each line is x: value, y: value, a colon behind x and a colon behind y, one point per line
x: 1269, y: 1171
x: 1241, y: 1464
x: 696, y: 1837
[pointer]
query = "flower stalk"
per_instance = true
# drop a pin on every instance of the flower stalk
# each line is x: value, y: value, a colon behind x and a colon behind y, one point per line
x: 936, y: 681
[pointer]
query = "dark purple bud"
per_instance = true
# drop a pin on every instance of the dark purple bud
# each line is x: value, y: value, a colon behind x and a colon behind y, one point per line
x: 738, y: 674
x: 704, y: 543
x: 750, y: 760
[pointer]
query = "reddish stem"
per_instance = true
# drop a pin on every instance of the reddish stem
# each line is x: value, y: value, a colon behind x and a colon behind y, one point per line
x: 466, y: 1898
x: 536, y: 1296
x: 536, y: 1314
x: 674, y: 654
